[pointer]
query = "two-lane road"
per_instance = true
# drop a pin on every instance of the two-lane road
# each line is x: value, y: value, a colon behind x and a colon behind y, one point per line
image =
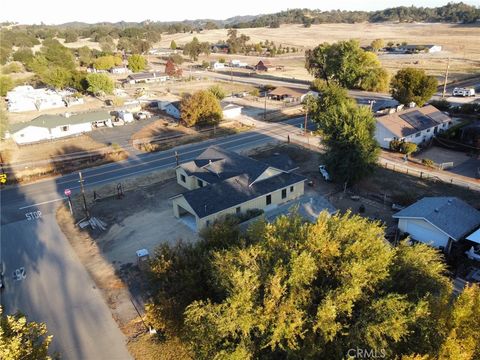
x: 50, y: 284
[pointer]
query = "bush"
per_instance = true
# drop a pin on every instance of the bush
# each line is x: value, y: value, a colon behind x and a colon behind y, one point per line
x: 428, y: 163
x: 442, y: 105
x: 12, y: 68
x: 408, y: 148
x: 395, y: 145
x: 217, y: 91
x: 255, y: 92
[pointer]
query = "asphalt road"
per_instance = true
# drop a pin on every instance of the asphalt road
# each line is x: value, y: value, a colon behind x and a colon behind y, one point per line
x: 56, y: 288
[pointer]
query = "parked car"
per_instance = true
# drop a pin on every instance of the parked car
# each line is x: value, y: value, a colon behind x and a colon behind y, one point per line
x: 324, y: 172
x: 473, y: 253
x: 463, y: 92
x: 142, y: 115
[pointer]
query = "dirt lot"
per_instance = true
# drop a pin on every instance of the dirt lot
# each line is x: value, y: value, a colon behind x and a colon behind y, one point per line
x: 458, y: 41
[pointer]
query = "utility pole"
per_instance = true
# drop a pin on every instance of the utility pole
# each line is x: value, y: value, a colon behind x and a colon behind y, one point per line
x: 265, y: 106
x: 176, y: 157
x: 83, y: 194
x: 306, y: 119
x: 446, y: 79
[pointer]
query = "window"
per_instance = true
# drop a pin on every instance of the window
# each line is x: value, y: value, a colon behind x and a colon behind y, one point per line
x: 269, y: 199
x: 418, y: 134
x: 200, y: 183
x: 428, y: 130
x: 182, y: 178
x: 65, y: 128
x: 291, y: 188
x: 238, y: 210
x: 284, y: 193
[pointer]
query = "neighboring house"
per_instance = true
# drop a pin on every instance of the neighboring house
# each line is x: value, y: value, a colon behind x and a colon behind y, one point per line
x: 264, y: 66
x: 119, y: 70
x: 238, y: 63
x: 438, y: 221
x: 290, y: 94
x: 147, y: 77
x: 215, y: 65
x: 221, y: 182
x: 418, y: 48
x: 416, y: 125
x: 231, y: 111
x: 125, y: 116
x: 381, y: 106
x: 51, y: 127
x: 26, y: 98
x: 220, y: 48
x: 173, y: 109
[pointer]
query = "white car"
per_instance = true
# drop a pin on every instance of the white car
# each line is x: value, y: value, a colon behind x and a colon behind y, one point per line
x: 324, y: 172
x: 473, y: 254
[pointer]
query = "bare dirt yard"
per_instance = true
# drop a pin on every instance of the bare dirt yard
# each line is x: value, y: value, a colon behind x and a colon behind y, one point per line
x: 141, y: 219
x: 459, y: 42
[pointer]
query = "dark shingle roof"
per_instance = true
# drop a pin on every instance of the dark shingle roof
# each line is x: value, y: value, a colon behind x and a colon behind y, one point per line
x: 450, y: 214
x: 216, y: 164
x: 235, y: 191
x: 146, y: 75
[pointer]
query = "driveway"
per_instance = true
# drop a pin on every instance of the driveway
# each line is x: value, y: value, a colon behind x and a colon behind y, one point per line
x: 463, y: 164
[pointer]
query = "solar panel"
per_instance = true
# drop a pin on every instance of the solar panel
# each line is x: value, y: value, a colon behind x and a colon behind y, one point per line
x: 418, y: 120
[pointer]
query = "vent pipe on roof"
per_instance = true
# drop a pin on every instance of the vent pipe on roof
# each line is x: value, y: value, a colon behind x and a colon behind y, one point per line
x: 449, y: 201
x: 437, y: 210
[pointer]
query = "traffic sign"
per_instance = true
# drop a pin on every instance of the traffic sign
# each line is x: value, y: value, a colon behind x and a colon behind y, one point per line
x: 67, y: 192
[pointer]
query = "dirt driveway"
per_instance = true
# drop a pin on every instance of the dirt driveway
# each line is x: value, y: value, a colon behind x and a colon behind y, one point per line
x: 143, y: 219
x: 463, y: 164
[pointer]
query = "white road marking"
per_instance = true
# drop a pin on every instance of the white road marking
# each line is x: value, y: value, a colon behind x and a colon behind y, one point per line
x: 42, y: 203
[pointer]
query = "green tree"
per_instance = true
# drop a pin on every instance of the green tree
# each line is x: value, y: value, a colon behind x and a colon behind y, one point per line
x: 85, y: 56
x: 348, y: 64
x: 217, y: 91
x: 56, y: 77
x: 137, y: 63
x: 106, y: 62
x: 5, y: 53
x: 20, y: 339
x: 70, y: 36
x: 413, y: 85
x: 6, y: 84
x: 173, y: 45
x: 463, y: 340
x: 201, y: 108
x: 23, y: 55
x: 377, y: 44
x: 347, y: 132
x: 100, y: 84
x: 194, y: 48
x: 12, y: 68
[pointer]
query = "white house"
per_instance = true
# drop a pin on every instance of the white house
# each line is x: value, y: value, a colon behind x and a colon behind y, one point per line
x: 438, y: 221
x: 231, y: 111
x: 173, y: 109
x: 238, y: 63
x: 418, y: 48
x: 51, y: 127
x: 147, y: 77
x: 416, y: 125
x: 125, y: 116
x: 119, y: 70
x: 26, y: 98
x: 215, y: 65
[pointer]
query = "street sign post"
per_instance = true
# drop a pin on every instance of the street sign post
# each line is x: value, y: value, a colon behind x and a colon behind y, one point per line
x: 67, y: 193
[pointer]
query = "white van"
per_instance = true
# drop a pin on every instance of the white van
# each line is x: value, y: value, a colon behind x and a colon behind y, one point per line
x: 463, y: 92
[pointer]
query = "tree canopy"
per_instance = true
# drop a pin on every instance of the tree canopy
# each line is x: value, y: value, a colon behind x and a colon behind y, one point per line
x: 21, y: 339
x: 201, y: 108
x: 107, y: 62
x: 99, y: 84
x: 413, y: 85
x: 194, y: 48
x: 137, y: 63
x: 348, y: 64
x: 296, y: 290
x: 348, y: 134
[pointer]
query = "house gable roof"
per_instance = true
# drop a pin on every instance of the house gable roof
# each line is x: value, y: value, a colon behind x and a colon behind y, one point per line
x: 235, y: 191
x: 449, y: 214
x: 411, y: 121
x: 53, y: 121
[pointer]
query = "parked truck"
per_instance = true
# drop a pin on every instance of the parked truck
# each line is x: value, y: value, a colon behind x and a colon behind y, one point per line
x: 463, y: 92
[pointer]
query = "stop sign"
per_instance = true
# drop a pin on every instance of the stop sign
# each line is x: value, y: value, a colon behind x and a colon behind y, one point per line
x: 67, y: 192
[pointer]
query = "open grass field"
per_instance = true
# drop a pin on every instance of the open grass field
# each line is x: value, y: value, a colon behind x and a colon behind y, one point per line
x: 460, y: 42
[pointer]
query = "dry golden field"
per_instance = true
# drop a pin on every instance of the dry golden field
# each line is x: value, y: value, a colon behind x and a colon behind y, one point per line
x: 461, y: 43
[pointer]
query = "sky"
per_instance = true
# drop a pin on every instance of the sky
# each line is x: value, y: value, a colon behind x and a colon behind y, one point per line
x: 91, y: 11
